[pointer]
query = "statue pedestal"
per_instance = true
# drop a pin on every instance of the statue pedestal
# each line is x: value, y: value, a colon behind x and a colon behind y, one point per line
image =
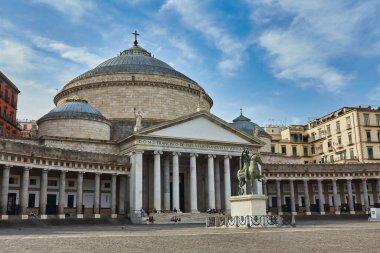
x: 248, y: 205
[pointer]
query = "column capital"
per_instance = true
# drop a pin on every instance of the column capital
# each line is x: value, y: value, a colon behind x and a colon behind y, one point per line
x: 81, y: 172
x: 211, y: 156
x: 306, y: 180
x: 157, y: 152
x: 193, y: 154
x: 364, y: 179
x: 137, y: 152
x: 334, y: 179
x: 45, y: 170
x: 27, y: 168
x: 64, y: 171
x: 176, y: 153
x: 292, y: 180
x: 227, y: 157
x: 278, y: 180
x: 8, y: 166
x: 320, y: 179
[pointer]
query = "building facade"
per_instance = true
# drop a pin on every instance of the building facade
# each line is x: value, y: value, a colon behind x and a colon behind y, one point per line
x: 29, y: 128
x: 8, y: 108
x: 348, y: 135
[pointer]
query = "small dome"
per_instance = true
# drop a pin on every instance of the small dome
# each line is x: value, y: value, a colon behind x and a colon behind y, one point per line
x: 74, y: 108
x: 134, y: 60
x: 243, y: 123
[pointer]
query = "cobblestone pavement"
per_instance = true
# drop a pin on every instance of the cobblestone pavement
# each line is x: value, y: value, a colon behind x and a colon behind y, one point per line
x: 347, y: 236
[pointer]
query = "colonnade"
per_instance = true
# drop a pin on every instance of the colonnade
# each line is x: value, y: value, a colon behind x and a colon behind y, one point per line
x: 24, y: 193
x: 213, y: 183
x: 336, y: 192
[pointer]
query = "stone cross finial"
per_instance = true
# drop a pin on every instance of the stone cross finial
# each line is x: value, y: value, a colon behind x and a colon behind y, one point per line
x: 136, y: 34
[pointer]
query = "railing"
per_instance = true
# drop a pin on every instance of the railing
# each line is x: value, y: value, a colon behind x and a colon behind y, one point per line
x: 250, y: 221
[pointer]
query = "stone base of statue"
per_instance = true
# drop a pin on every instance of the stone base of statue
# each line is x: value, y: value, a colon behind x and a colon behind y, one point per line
x: 245, y: 205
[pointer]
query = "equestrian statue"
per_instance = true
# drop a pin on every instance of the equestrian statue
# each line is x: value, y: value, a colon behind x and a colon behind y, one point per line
x: 250, y: 170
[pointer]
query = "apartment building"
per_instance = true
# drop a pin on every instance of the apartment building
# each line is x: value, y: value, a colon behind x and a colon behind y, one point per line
x: 347, y: 135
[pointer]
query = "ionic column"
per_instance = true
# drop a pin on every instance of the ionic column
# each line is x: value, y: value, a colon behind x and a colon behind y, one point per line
x: 136, y: 182
x: 4, y: 192
x: 193, y: 184
x: 122, y: 184
x: 321, y: 197
x: 43, y: 193
x: 350, y: 197
x: 378, y: 190
x: 365, y: 194
x: 176, y: 181
x: 336, y: 198
x: 292, y: 197
x: 166, y: 183
x: 97, y: 196
x: 227, y: 183
x: 62, y: 188
x: 113, y: 196
x: 278, y: 186
x: 218, y: 203
x: 80, y: 195
x: 307, y: 197
x: 211, y: 182
x: 24, y: 194
x: 157, y: 180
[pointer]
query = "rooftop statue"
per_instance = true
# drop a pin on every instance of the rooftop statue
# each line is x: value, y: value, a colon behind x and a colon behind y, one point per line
x: 250, y: 170
x: 138, y: 117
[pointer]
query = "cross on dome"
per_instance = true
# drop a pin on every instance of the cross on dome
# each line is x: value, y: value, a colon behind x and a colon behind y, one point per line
x: 136, y: 34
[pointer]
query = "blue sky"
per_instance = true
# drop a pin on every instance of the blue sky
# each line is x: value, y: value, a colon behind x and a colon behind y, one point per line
x: 281, y: 61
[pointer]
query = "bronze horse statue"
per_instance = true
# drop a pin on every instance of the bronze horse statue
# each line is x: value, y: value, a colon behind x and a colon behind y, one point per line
x: 250, y: 170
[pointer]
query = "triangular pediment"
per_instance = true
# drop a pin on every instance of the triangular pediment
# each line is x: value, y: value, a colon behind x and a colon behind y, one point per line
x: 201, y: 126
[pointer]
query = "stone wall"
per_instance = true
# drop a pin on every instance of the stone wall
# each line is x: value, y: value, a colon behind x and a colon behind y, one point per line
x: 75, y: 128
x: 157, y: 101
x: 81, y: 145
x: 121, y: 129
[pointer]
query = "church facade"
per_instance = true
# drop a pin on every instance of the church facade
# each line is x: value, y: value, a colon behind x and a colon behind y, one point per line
x: 134, y: 133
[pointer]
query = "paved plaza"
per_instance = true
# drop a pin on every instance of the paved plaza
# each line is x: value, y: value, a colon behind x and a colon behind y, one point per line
x: 326, y: 236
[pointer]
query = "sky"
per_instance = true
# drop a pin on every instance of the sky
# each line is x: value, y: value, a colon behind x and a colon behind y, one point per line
x: 281, y: 61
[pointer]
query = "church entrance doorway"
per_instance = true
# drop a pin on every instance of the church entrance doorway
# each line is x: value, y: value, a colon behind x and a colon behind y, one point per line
x: 181, y: 193
x: 51, y: 207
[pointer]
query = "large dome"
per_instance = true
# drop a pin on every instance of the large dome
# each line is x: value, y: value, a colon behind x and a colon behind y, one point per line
x: 134, y: 60
x: 136, y: 80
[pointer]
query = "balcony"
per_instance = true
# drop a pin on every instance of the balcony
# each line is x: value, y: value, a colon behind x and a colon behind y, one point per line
x: 348, y: 127
x: 330, y: 149
x: 339, y: 145
x: 337, y: 131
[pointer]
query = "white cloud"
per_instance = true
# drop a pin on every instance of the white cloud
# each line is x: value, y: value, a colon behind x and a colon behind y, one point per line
x: 195, y: 17
x: 375, y: 94
x: 15, y: 56
x: 75, y: 54
x: 303, y: 38
x: 73, y: 8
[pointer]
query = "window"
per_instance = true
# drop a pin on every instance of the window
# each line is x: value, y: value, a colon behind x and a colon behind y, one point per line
x: 378, y: 119
x: 13, y: 180
x: 338, y: 126
x: 312, y: 149
x: 342, y: 155
x: 305, y: 151
x: 1, y: 130
x: 294, y: 151
x: 32, y: 181
x: 107, y: 185
x: 7, y: 132
x: 53, y: 183
x: 349, y: 138
x: 6, y: 96
x: 332, y: 158
x: 13, y: 100
x: 24, y: 127
x: 272, y: 149
x: 368, y: 135
x: 366, y: 119
x: 348, y: 122
x: 370, y: 152
x: 320, y: 148
x: 378, y: 136
x: 71, y: 183
x: 32, y: 200
x: 5, y: 113
x: 339, y: 140
x: 352, y: 153
x: 283, y: 150
x: 11, y: 116
x: 328, y: 130
x: 329, y: 145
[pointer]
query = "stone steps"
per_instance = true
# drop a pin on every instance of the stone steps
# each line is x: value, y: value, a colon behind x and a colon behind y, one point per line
x: 186, y: 218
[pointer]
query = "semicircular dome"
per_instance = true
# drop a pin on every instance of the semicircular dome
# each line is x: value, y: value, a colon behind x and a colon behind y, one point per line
x: 74, y: 107
x: 134, y: 60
